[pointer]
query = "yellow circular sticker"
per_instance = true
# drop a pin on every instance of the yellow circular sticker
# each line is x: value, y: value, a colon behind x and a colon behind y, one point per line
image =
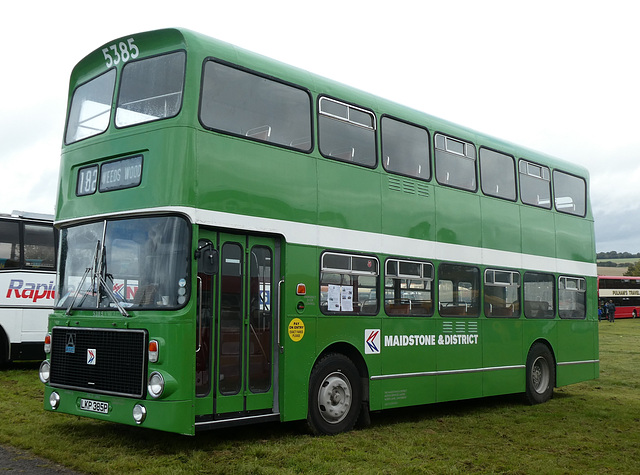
x: 296, y: 329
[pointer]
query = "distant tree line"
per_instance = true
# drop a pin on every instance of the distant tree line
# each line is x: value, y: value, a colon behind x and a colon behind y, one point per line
x: 633, y: 265
x: 617, y: 255
x: 612, y: 264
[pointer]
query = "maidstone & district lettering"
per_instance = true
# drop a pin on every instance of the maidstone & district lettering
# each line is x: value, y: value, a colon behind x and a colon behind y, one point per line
x: 429, y: 340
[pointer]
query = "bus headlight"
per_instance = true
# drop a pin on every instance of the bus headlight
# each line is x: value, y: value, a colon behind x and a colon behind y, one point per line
x: 156, y: 385
x: 139, y: 413
x: 45, y: 371
x: 54, y: 400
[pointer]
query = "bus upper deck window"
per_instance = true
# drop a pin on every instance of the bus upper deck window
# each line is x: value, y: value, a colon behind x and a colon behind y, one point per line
x: 455, y: 163
x: 497, y: 174
x: 570, y: 193
x: 90, y: 109
x: 535, y: 184
x: 151, y: 89
x: 346, y: 132
x: 405, y: 149
x: 247, y: 104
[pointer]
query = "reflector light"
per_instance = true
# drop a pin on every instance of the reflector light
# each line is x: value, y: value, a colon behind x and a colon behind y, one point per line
x: 301, y: 289
x: 153, y: 351
x: 47, y: 343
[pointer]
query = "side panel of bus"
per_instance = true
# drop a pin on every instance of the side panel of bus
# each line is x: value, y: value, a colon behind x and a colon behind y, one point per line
x: 26, y: 299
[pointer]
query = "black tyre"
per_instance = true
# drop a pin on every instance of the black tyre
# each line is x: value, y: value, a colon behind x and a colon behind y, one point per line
x: 334, y: 395
x: 541, y: 374
x: 634, y: 314
x: 4, y: 349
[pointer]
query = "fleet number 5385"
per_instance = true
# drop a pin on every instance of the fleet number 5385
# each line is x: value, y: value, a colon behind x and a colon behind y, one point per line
x: 120, y: 52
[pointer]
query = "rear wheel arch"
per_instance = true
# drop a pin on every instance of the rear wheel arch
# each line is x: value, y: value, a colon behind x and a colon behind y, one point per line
x: 540, y: 372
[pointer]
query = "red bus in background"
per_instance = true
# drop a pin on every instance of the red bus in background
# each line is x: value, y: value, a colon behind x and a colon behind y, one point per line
x: 623, y: 291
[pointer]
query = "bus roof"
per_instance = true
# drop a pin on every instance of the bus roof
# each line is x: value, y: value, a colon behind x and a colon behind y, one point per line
x: 28, y: 215
x: 201, y: 47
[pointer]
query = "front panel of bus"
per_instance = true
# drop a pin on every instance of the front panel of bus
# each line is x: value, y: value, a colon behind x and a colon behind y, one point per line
x: 122, y: 339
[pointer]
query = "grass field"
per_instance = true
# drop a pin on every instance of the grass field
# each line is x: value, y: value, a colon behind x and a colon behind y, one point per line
x: 591, y: 427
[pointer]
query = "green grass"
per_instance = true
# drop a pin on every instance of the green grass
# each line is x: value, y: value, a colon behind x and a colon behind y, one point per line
x: 591, y: 427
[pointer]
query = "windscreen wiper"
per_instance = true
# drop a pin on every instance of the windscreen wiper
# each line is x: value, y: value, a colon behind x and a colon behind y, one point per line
x: 84, y: 277
x: 103, y: 282
x: 97, y: 282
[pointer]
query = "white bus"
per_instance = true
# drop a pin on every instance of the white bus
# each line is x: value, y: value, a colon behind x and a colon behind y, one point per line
x: 27, y: 283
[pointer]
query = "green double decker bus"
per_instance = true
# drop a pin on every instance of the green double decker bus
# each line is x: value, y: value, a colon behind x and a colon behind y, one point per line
x: 242, y: 241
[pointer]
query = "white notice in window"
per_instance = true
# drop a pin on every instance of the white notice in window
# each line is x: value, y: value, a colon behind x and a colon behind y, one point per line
x: 346, y: 298
x: 334, y: 298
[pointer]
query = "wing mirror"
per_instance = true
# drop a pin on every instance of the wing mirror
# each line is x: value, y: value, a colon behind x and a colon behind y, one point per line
x: 207, y: 258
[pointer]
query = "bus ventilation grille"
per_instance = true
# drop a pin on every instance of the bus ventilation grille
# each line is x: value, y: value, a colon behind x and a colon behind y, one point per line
x: 99, y: 360
x: 408, y: 186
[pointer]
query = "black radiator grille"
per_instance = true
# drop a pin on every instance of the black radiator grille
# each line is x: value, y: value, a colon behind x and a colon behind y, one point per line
x: 119, y: 357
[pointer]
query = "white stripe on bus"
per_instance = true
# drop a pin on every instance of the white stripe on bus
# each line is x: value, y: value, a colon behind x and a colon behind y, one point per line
x: 364, y: 241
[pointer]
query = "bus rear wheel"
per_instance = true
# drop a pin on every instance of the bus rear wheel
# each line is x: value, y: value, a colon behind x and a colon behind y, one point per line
x: 541, y: 374
x: 334, y: 395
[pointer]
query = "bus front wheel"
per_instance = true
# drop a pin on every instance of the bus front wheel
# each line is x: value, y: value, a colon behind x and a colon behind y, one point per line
x: 334, y: 395
x: 541, y: 374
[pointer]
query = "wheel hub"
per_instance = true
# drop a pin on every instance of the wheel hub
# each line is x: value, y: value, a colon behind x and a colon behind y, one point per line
x: 334, y: 398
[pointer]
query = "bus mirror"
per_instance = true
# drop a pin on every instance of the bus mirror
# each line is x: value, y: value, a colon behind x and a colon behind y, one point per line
x: 210, y: 261
x: 211, y: 258
x: 207, y: 258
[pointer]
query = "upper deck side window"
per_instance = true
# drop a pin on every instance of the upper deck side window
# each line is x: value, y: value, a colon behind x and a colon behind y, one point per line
x: 246, y: 104
x: 405, y: 149
x: 570, y: 193
x: 90, y: 109
x: 346, y: 132
x: 535, y: 184
x: 497, y: 174
x: 151, y: 89
x: 455, y: 162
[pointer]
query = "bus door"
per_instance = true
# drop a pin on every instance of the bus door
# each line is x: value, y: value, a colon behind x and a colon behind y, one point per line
x: 239, y: 353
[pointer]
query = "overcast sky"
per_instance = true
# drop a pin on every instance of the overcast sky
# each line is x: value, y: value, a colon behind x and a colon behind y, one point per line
x: 561, y: 77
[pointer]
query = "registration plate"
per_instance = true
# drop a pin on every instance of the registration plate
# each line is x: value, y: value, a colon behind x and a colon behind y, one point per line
x: 94, y: 406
